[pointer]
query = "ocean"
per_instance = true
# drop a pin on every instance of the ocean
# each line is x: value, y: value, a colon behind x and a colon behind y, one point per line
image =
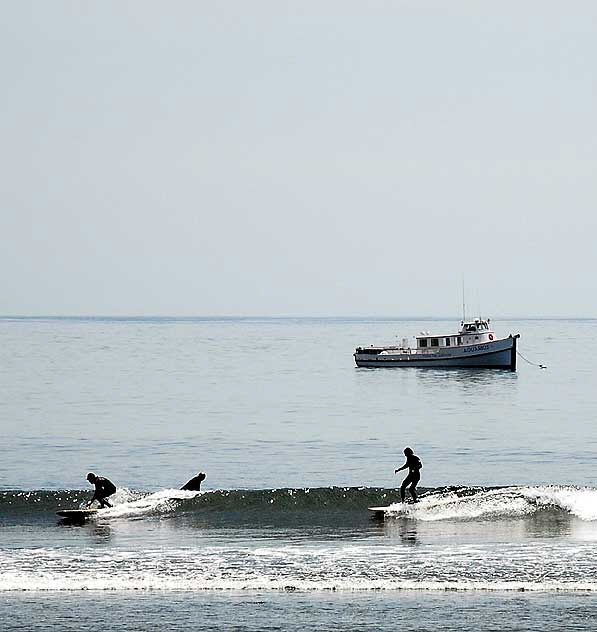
x: 296, y: 443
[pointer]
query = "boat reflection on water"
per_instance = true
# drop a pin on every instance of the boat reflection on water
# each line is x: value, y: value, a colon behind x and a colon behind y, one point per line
x: 465, y: 377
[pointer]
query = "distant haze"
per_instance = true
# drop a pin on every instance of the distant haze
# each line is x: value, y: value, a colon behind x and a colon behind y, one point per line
x: 294, y: 158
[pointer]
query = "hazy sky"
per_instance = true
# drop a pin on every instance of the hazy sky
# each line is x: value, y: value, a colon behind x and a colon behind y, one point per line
x: 323, y: 158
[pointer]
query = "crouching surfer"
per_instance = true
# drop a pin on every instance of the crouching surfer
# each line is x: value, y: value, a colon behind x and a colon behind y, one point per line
x: 414, y: 465
x: 103, y: 489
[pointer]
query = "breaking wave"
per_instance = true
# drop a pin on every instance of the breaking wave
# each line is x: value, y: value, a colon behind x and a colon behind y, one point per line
x: 478, y: 503
x: 447, y: 503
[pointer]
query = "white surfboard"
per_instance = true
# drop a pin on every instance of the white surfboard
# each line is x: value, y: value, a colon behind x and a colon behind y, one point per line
x: 392, y: 510
x: 379, y: 509
x: 76, y: 514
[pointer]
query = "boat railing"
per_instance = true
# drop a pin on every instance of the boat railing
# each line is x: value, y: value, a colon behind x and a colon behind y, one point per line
x: 398, y: 350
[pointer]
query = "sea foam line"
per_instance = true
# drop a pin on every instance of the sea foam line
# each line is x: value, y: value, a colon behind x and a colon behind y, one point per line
x: 126, y: 584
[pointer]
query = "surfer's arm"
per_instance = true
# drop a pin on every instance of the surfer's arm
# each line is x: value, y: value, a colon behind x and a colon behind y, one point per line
x: 401, y: 468
x: 96, y: 495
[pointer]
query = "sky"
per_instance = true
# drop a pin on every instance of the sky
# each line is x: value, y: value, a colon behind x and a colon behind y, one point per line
x: 298, y: 158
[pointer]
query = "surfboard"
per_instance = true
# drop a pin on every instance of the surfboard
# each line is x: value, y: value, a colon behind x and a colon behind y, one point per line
x: 76, y: 514
x: 379, y: 510
x: 393, y: 510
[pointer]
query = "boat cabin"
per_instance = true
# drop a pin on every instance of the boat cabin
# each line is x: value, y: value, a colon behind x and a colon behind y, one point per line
x: 471, y: 332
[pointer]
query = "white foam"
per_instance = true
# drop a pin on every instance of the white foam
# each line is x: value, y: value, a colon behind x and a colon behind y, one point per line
x: 129, y: 505
x: 581, y: 502
x: 15, y: 582
x: 452, y: 506
x: 507, y: 502
x: 528, y: 565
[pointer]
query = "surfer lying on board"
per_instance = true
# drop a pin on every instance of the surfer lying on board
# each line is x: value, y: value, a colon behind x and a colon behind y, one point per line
x: 414, y: 465
x: 103, y: 489
x: 194, y: 485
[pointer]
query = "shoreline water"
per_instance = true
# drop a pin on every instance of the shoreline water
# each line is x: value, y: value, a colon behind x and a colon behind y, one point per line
x: 295, y: 611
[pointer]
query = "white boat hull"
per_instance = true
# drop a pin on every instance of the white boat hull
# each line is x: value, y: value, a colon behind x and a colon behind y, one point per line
x: 498, y: 354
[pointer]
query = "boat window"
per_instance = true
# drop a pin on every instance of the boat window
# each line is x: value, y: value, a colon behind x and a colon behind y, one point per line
x: 459, y: 341
x: 435, y: 342
x: 447, y: 342
x: 423, y: 342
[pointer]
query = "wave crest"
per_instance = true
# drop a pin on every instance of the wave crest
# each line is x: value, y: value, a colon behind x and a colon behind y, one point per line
x: 283, y: 505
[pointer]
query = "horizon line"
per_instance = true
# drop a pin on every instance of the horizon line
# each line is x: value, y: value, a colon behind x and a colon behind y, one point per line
x: 131, y: 317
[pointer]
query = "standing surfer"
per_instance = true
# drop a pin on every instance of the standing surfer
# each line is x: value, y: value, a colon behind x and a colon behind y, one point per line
x: 103, y: 489
x: 414, y: 465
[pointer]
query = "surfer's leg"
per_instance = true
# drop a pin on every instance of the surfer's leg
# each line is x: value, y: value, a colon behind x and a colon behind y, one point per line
x: 413, y: 487
x: 403, y: 489
x: 103, y: 502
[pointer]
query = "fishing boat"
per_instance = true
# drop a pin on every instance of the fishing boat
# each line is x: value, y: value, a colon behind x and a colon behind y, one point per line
x: 474, y: 346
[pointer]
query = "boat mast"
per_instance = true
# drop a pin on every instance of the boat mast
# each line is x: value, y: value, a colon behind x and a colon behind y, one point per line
x: 463, y: 308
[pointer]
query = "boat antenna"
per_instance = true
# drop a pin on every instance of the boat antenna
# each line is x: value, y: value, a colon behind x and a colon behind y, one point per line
x: 463, y: 308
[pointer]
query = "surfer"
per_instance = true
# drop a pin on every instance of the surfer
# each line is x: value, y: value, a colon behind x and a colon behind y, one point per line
x: 194, y: 485
x: 103, y: 489
x: 414, y: 465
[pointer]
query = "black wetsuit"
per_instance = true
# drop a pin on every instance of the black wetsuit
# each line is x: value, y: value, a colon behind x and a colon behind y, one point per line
x: 194, y: 485
x: 103, y: 489
x: 414, y: 476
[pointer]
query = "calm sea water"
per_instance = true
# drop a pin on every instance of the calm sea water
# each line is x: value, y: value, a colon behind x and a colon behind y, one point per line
x: 296, y: 442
